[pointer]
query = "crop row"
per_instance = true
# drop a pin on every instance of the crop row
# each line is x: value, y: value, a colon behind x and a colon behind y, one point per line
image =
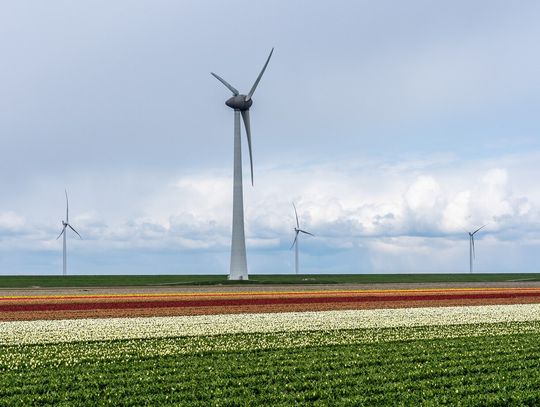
x: 228, y: 302
x: 80, y: 306
x: 21, y: 357
x: 83, y: 302
x: 495, y: 370
x: 34, y: 332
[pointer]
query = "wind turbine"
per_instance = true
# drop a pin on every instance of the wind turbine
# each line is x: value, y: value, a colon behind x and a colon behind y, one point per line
x: 65, y: 225
x: 297, y: 231
x: 241, y: 104
x: 471, y: 246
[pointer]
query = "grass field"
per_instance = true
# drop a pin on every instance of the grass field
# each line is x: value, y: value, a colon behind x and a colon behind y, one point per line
x: 152, y: 280
x: 473, y: 370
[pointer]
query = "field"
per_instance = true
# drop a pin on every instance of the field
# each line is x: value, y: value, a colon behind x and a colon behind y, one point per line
x: 156, y: 280
x: 496, y: 370
x: 251, y: 345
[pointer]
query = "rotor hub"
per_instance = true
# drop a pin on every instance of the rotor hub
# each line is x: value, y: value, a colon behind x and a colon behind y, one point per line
x: 239, y: 102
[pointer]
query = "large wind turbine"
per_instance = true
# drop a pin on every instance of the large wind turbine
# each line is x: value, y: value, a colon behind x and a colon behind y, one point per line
x: 471, y: 247
x: 241, y: 104
x: 297, y: 231
x: 65, y: 225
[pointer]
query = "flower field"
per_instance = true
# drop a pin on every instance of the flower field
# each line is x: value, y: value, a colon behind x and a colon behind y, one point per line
x: 36, y: 332
x: 378, y: 347
x: 132, y: 305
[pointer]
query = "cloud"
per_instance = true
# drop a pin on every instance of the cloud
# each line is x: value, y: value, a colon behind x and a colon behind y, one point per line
x: 384, y: 124
x: 10, y: 223
x: 396, y: 215
x: 333, y: 201
x: 423, y: 204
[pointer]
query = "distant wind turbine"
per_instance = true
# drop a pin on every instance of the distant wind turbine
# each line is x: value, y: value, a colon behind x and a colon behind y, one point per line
x: 297, y: 231
x: 65, y: 225
x: 241, y: 104
x: 471, y: 246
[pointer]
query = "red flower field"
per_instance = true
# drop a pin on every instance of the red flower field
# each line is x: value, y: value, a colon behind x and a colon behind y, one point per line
x: 122, y: 305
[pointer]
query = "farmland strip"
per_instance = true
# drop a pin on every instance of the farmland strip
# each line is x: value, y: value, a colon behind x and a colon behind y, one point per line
x: 26, y: 332
x: 256, y: 301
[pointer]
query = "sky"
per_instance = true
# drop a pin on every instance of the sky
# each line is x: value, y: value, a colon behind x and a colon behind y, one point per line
x: 395, y: 128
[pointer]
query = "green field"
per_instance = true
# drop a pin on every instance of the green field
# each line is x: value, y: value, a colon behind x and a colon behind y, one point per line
x: 157, y: 280
x: 497, y: 370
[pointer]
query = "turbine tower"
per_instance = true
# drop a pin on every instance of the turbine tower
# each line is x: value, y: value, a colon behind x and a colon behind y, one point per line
x: 65, y: 225
x: 297, y: 231
x: 471, y: 247
x: 241, y: 104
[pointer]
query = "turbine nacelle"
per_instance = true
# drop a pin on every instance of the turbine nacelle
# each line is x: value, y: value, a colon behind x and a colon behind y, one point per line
x: 297, y: 229
x: 242, y: 103
x: 472, y: 254
x: 65, y: 223
x: 239, y: 102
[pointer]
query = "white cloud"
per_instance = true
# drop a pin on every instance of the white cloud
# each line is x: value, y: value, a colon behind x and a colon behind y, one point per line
x: 10, y: 221
x: 331, y: 200
x: 398, y: 215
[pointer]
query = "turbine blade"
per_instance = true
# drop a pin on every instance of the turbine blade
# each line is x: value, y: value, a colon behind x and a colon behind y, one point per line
x: 71, y: 227
x: 479, y: 229
x: 67, y: 207
x: 296, y: 214
x: 294, y: 242
x: 250, y: 94
x: 307, y: 233
x: 63, y: 230
x: 473, y: 252
x: 229, y: 86
x: 245, y: 117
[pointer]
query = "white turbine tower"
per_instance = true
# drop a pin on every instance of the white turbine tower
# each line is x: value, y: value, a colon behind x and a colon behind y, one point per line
x: 471, y: 246
x: 65, y: 225
x: 297, y: 231
x: 241, y: 104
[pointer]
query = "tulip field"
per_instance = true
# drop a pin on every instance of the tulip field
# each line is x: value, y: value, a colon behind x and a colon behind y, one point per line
x: 430, y: 346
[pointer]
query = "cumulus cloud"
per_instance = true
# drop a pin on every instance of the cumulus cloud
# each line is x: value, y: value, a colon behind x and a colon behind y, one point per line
x: 396, y: 215
x: 333, y: 201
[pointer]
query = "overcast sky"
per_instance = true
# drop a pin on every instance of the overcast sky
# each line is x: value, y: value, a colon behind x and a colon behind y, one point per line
x: 393, y: 126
